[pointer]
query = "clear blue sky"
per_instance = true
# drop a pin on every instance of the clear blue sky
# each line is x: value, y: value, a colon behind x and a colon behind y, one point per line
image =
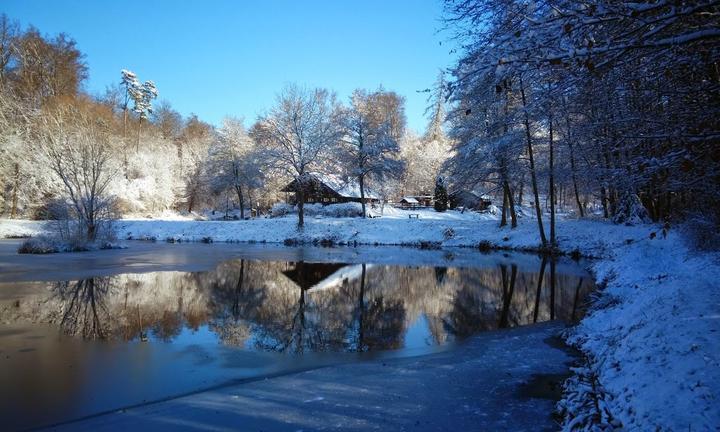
x: 217, y: 58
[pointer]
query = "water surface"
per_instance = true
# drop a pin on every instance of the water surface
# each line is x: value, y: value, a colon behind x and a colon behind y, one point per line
x: 72, y: 348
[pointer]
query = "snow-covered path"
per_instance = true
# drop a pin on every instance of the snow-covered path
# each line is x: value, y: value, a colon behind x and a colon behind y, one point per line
x: 496, y: 381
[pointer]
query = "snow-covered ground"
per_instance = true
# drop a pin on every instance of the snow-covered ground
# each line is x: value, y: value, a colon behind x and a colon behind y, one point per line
x: 652, y: 341
x: 395, y: 227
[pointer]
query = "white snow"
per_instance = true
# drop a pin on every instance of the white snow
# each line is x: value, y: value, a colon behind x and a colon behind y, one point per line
x: 653, y: 340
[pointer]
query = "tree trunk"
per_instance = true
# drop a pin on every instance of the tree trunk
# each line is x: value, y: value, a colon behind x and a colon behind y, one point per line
x: 604, y: 200
x: 553, y: 241
x: 137, y: 143
x: 533, y: 176
x: 573, y: 170
x: 241, y: 200
x: 511, y: 205
x: 552, y: 288
x: 301, y: 204
x: 503, y: 217
x: 16, y: 186
x: 125, y: 116
x: 361, y: 182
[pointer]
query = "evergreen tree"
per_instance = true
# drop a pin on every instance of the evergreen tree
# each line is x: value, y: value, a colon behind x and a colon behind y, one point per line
x: 441, y: 198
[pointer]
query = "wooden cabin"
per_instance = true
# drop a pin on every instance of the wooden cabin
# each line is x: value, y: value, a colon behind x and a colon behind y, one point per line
x: 328, y: 189
x: 469, y: 200
x: 408, y: 202
x: 416, y: 201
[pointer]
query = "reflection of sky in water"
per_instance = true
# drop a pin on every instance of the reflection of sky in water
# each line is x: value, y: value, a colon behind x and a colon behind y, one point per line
x: 418, y: 335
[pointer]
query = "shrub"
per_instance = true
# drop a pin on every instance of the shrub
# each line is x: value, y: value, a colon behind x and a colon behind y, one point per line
x: 702, y: 230
x: 331, y: 210
x: 281, y: 209
x: 485, y: 246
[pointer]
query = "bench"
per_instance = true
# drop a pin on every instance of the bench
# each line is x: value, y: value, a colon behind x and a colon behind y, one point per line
x: 414, y: 215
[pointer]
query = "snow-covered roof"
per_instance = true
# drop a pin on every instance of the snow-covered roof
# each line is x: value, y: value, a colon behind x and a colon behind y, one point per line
x: 347, y: 189
x: 410, y: 200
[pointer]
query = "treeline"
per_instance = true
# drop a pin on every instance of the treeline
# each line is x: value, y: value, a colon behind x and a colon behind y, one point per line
x: 146, y: 158
x: 614, y: 102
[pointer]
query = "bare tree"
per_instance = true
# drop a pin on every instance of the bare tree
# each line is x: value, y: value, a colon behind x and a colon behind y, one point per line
x: 301, y: 132
x: 76, y: 142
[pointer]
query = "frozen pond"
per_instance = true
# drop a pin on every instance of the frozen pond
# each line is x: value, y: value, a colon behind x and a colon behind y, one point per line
x: 87, y: 333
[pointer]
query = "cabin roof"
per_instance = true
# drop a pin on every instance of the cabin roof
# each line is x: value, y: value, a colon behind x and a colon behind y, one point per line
x: 344, y: 188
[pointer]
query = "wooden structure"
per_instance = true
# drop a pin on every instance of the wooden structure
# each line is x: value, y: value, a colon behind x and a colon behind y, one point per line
x: 327, y: 189
x: 416, y: 201
x: 468, y: 200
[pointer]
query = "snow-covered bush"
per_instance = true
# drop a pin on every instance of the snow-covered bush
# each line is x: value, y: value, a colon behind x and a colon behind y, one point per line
x: 351, y: 209
x: 631, y: 211
x: 281, y: 209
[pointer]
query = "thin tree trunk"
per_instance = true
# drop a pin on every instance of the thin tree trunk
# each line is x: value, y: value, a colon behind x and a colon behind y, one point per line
x: 241, y: 200
x: 533, y: 176
x: 361, y: 181
x: 301, y: 205
x: 511, y: 205
x: 137, y: 143
x: 573, y: 169
x: 553, y: 241
x: 503, y: 217
x: 552, y: 288
x: 16, y: 186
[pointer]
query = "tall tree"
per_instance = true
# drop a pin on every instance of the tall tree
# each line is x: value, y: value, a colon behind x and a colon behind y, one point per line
x: 301, y: 131
x: 374, y: 125
x: 236, y: 161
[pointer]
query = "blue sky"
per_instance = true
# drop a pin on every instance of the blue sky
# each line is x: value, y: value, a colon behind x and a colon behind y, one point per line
x: 231, y: 57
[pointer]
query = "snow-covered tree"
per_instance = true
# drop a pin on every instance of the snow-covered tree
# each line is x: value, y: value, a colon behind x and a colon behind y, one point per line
x: 130, y: 86
x: 78, y: 148
x: 374, y: 125
x: 235, y: 162
x: 301, y: 132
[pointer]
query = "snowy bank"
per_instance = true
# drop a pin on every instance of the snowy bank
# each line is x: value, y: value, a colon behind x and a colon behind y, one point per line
x: 652, y: 342
x: 448, y: 229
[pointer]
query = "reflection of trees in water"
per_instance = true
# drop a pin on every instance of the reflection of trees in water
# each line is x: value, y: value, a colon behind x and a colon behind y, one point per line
x: 356, y: 308
x: 84, y: 310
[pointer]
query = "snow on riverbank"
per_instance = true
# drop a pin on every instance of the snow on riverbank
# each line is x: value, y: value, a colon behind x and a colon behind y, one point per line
x: 396, y: 228
x: 653, y: 341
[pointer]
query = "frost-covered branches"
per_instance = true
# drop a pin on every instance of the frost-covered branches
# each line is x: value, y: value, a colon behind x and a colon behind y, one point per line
x: 374, y: 125
x: 626, y: 92
x: 301, y: 132
x: 78, y: 148
x: 235, y: 162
